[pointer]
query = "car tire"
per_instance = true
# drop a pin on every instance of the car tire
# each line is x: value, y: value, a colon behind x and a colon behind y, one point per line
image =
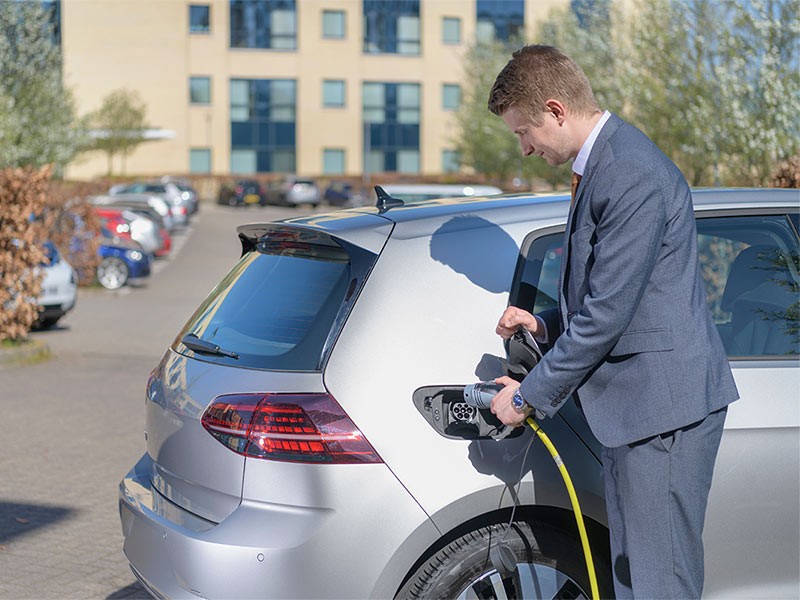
x: 548, y: 559
x: 112, y: 273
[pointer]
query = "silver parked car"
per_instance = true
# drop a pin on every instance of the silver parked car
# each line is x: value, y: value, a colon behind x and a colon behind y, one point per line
x: 293, y: 191
x: 307, y: 436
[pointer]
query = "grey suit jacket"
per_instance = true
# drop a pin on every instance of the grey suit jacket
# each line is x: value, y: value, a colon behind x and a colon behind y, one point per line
x: 633, y: 335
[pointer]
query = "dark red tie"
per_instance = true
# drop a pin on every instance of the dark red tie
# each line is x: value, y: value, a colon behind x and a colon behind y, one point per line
x: 576, y: 179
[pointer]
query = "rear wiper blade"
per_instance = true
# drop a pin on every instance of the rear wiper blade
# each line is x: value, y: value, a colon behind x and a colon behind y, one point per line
x: 193, y: 342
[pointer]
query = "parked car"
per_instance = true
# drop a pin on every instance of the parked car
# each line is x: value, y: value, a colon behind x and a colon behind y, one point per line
x: 146, y: 211
x: 126, y: 223
x: 187, y: 191
x: 59, y: 288
x: 122, y: 260
x: 185, y: 203
x: 414, y: 192
x: 157, y: 203
x: 242, y: 192
x: 306, y: 435
x: 293, y: 191
x: 342, y: 194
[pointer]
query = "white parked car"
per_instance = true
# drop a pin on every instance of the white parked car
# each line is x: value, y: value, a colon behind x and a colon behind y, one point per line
x: 59, y: 288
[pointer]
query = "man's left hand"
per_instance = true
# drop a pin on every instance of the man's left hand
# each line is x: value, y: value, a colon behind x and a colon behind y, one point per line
x: 503, y: 407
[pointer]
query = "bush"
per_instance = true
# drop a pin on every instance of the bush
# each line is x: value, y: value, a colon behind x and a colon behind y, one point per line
x: 23, y: 193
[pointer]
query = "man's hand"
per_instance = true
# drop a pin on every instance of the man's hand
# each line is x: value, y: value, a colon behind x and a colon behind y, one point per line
x: 512, y: 319
x: 502, y: 406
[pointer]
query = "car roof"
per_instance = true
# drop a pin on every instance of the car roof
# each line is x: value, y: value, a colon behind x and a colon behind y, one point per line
x: 443, y: 189
x: 508, y: 208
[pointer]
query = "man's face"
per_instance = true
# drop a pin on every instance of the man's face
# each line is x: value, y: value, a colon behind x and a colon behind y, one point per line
x: 548, y: 140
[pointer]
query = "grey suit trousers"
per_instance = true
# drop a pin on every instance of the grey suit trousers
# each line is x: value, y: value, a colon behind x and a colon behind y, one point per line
x: 656, y: 496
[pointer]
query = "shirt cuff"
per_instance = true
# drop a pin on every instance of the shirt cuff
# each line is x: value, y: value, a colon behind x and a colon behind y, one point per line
x: 541, y: 331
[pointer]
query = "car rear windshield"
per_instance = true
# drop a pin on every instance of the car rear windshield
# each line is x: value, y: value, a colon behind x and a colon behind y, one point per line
x: 277, y: 307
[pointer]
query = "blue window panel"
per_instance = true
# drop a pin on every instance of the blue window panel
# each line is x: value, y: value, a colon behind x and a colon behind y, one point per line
x: 268, y: 24
x: 390, y: 161
x: 391, y: 26
x: 409, y: 136
x: 242, y: 134
x: 284, y: 135
x: 199, y: 18
x: 263, y: 162
x: 506, y: 18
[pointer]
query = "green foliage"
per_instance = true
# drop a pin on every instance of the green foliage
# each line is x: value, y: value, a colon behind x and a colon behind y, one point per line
x: 714, y: 83
x: 38, y: 123
x: 119, y: 124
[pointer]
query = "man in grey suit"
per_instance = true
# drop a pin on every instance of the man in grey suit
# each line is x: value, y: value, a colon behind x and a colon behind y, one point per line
x: 632, y: 339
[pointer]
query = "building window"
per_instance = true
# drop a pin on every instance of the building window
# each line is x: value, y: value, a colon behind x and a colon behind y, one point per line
x: 333, y: 24
x: 500, y: 20
x: 200, y: 90
x: 391, y: 26
x: 333, y: 93
x: 391, y: 113
x: 199, y: 18
x: 451, y: 96
x: 200, y: 160
x: 451, y: 161
x: 333, y: 161
x: 269, y: 24
x: 451, y: 30
x: 263, y: 119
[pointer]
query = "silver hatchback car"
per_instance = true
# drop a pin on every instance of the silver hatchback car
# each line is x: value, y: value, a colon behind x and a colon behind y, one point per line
x: 307, y: 435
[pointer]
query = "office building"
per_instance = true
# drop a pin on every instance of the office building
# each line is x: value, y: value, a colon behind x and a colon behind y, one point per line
x: 316, y: 87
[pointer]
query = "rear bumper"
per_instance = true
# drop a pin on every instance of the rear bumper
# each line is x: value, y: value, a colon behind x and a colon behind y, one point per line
x: 261, y: 549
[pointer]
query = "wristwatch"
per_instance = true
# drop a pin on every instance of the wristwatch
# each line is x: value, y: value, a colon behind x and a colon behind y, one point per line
x: 519, y: 402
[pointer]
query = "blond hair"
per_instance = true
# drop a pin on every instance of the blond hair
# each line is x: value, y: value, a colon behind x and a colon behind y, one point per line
x: 536, y: 74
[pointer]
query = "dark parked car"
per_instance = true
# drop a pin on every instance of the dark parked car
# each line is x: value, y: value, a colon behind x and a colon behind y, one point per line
x: 242, y: 192
x: 307, y: 435
x: 121, y: 261
x: 344, y: 195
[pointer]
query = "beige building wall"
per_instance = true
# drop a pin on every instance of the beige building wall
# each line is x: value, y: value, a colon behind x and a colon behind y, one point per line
x: 145, y: 45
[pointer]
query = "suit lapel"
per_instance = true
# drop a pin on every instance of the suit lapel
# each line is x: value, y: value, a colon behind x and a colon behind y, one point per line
x: 592, y: 163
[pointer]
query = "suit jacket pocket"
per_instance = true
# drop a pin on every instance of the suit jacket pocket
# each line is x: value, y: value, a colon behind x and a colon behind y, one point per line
x: 643, y: 340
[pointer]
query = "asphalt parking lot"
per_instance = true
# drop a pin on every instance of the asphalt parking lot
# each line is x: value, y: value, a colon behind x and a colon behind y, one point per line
x: 73, y: 424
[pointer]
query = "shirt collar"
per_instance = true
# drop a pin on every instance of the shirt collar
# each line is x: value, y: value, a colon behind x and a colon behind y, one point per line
x: 579, y: 164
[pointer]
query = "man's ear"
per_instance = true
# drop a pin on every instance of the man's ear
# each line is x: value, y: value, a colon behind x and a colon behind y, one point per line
x: 557, y: 109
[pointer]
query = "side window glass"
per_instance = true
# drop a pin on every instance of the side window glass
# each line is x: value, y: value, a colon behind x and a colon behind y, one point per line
x: 751, y: 268
x: 536, y: 282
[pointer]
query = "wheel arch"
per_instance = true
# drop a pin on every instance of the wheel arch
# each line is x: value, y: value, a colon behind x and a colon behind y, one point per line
x: 552, y: 516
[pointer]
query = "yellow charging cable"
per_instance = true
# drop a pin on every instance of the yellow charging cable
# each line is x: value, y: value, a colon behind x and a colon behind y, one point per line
x: 576, y: 508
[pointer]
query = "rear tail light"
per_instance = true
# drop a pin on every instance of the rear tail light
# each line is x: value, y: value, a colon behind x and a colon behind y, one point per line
x: 310, y: 428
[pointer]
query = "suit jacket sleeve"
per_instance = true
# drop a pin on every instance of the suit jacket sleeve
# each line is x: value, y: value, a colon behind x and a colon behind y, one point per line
x: 616, y: 253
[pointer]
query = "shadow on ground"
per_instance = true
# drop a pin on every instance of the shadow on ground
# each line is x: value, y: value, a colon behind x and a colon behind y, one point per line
x: 20, y: 519
x: 134, y: 591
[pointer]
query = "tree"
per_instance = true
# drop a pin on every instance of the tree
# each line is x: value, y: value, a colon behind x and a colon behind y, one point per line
x: 38, y: 123
x: 714, y: 83
x: 119, y: 125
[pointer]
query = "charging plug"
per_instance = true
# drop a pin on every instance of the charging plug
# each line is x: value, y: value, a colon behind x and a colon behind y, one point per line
x: 503, y: 559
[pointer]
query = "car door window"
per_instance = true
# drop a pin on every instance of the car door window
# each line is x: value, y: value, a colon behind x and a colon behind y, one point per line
x: 535, y: 285
x: 750, y: 267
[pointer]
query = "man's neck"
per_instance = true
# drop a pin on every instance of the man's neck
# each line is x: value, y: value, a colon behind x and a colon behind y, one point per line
x: 583, y: 128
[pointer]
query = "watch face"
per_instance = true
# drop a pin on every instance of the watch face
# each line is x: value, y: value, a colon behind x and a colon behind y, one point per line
x: 518, y: 401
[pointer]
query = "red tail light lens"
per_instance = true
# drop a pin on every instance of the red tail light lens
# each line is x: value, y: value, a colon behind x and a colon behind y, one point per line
x: 309, y: 428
